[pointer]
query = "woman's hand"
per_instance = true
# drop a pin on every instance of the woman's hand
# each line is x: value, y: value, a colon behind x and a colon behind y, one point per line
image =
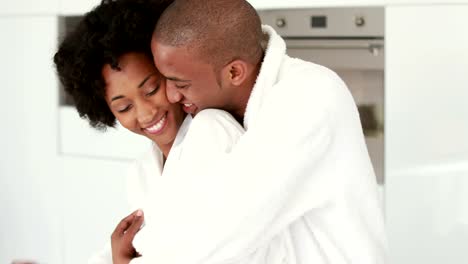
x: 122, y: 237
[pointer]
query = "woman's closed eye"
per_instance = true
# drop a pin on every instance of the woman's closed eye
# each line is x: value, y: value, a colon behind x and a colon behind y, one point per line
x: 124, y: 109
x: 154, y: 90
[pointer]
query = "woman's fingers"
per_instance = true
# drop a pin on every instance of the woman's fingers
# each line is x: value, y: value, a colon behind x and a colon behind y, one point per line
x: 135, y: 225
x: 126, y: 223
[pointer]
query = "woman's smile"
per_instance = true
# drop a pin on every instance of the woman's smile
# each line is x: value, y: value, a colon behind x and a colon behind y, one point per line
x: 158, y: 126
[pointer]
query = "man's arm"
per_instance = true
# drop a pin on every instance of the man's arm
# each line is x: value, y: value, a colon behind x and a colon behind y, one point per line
x: 236, y: 202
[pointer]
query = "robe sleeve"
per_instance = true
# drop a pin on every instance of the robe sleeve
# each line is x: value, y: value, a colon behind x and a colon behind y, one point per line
x: 212, y: 133
x: 224, y: 209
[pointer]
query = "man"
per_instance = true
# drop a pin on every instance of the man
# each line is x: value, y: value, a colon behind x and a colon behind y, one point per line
x: 298, y: 187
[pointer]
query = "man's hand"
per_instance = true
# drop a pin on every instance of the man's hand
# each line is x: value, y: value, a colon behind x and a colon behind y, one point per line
x: 122, y: 237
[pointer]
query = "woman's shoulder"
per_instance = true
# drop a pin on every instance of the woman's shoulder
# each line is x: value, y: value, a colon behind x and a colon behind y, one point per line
x: 147, y: 166
x: 142, y: 175
x: 213, y: 129
x: 151, y: 155
x: 215, y: 118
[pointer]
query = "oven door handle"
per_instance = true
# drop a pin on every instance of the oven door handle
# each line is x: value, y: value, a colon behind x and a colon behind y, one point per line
x: 373, y: 47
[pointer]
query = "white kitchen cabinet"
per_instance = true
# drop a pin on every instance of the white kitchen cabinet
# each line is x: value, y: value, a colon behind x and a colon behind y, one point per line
x: 73, y: 7
x: 29, y: 7
x: 268, y: 4
x: 95, y: 201
x: 425, y: 2
x: 426, y: 130
x: 30, y: 199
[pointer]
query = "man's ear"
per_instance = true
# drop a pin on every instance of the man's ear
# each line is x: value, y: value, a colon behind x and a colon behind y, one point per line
x: 236, y: 72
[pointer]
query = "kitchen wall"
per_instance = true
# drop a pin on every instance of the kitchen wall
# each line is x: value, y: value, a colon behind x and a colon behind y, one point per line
x: 56, y: 206
x: 426, y: 128
x: 31, y: 183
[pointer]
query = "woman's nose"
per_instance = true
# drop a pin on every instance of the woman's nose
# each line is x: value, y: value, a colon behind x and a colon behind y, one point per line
x: 146, y: 112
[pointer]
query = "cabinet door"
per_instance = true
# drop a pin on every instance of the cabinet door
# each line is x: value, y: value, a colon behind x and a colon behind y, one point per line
x: 267, y: 4
x: 426, y: 133
x: 29, y: 7
x: 31, y: 187
x: 96, y: 200
x: 424, y: 2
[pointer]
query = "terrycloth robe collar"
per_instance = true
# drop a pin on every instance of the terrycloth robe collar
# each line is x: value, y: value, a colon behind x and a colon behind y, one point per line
x: 274, y: 54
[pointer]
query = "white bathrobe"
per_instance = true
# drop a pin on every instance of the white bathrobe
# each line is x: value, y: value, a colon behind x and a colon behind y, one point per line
x: 212, y: 132
x: 297, y: 188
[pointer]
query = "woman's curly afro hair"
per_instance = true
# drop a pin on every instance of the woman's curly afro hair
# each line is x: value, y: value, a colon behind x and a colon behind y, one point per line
x: 110, y: 30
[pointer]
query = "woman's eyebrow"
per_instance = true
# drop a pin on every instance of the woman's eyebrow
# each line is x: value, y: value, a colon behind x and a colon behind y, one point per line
x: 146, y: 79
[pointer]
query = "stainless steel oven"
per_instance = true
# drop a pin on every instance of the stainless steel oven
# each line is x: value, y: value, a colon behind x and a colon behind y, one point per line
x: 351, y: 42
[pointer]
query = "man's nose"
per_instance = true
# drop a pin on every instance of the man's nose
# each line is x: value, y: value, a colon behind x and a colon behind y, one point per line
x: 173, y: 94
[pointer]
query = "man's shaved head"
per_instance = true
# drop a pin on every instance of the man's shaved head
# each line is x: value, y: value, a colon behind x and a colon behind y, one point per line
x: 219, y: 31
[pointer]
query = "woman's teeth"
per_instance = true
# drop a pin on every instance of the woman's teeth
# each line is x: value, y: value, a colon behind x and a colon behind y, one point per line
x: 158, y: 126
x: 188, y: 105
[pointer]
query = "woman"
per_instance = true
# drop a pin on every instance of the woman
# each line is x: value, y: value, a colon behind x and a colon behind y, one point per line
x: 106, y: 66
